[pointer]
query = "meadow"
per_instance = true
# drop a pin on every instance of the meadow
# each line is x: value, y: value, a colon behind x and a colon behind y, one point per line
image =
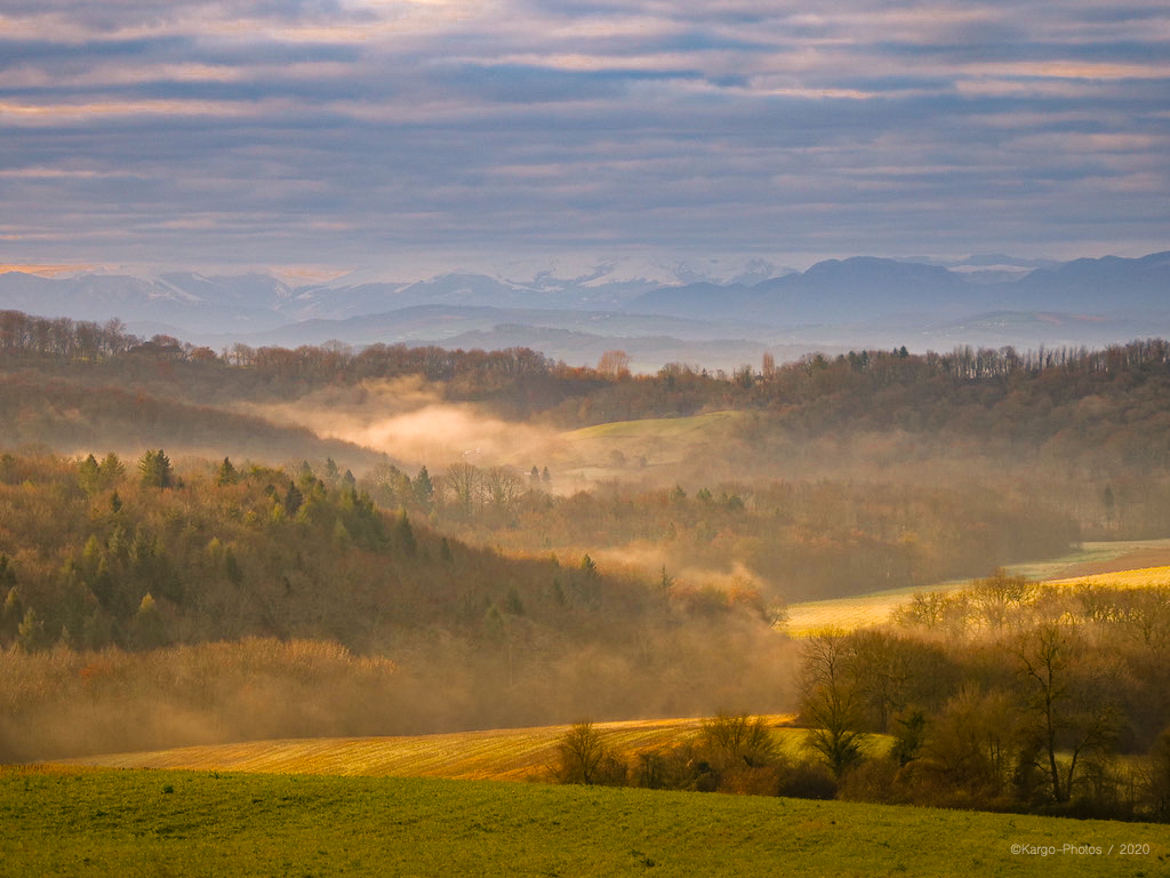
x: 100, y: 822
x: 645, y: 447
x: 656, y: 429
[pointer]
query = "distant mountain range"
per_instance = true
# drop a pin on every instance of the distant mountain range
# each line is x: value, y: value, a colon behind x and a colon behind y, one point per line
x: 834, y: 305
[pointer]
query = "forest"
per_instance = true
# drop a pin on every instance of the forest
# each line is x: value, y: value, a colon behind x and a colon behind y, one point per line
x: 101, y: 561
x: 1073, y: 442
x: 269, y: 542
x: 1002, y: 696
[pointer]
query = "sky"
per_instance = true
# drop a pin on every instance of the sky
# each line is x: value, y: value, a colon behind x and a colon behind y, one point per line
x: 323, y: 135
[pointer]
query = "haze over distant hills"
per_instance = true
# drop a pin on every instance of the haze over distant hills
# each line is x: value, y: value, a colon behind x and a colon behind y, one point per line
x: 677, y: 314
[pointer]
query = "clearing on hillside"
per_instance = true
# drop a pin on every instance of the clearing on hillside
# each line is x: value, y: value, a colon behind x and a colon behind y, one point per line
x: 602, y: 450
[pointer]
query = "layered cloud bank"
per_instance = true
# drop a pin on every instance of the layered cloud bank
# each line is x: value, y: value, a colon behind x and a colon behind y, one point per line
x: 341, y: 133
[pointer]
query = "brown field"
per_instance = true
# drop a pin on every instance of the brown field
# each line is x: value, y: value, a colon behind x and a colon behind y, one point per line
x: 500, y: 754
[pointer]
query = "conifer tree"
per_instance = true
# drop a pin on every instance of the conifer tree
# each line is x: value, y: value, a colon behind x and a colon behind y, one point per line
x: 332, y: 473
x: 424, y: 488
x: 89, y: 475
x: 293, y: 499
x: 30, y: 636
x: 111, y: 470
x: 227, y: 474
x: 156, y: 470
x: 406, y: 534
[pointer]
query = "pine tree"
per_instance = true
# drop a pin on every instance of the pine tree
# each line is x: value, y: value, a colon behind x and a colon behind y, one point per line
x: 156, y: 470
x: 406, y: 534
x: 30, y: 636
x: 332, y: 473
x: 305, y: 475
x: 228, y: 474
x: 7, y: 574
x: 89, y: 475
x: 148, y: 629
x: 231, y: 567
x: 293, y: 499
x: 11, y: 613
x: 111, y: 470
x: 424, y: 488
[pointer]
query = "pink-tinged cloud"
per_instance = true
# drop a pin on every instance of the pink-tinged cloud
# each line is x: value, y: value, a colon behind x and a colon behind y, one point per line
x: 329, y: 132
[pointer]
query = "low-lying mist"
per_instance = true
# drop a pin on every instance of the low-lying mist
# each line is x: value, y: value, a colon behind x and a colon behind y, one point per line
x: 409, y: 420
x: 61, y: 704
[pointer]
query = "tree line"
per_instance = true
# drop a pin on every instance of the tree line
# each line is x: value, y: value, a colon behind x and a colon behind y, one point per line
x: 1004, y: 696
x: 796, y: 539
x: 526, y: 382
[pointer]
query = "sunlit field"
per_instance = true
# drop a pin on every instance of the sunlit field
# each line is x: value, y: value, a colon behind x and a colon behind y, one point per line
x: 874, y: 609
x: 502, y: 754
x: 100, y: 822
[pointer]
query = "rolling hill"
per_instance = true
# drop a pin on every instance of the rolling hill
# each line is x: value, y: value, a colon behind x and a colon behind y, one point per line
x: 197, y: 823
x: 1105, y: 564
x: 500, y: 754
x: 839, y: 303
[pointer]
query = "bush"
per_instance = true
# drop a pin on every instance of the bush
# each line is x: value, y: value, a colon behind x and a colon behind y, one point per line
x: 583, y: 758
x: 804, y: 780
x: 871, y: 781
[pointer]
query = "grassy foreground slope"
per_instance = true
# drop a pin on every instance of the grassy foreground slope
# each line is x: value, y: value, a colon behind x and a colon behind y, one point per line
x: 174, y: 823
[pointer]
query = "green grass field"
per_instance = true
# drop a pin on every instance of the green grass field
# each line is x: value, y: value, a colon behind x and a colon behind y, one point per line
x: 142, y: 822
x: 588, y: 452
x: 656, y: 428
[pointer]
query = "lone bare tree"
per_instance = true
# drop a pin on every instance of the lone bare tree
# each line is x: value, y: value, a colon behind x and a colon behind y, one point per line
x: 1068, y: 695
x: 830, y: 701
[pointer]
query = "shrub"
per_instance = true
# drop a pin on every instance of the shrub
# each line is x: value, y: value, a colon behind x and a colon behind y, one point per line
x: 583, y: 758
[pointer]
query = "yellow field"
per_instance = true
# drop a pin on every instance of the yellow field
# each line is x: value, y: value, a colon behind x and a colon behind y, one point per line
x: 1143, y: 577
x: 503, y: 754
x: 848, y: 613
x: 876, y: 608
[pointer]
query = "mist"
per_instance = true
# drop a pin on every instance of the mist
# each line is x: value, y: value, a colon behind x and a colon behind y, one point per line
x: 409, y: 420
x: 67, y: 704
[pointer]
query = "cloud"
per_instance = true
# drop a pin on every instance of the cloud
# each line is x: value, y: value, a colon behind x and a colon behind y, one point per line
x: 342, y: 132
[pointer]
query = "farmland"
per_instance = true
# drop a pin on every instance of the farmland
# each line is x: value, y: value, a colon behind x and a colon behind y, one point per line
x: 91, y: 822
x: 603, y: 450
x: 581, y: 556
x: 504, y: 754
x: 656, y: 429
x: 1109, y: 564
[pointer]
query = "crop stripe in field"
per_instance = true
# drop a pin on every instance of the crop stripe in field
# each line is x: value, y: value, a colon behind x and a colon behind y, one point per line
x: 500, y: 754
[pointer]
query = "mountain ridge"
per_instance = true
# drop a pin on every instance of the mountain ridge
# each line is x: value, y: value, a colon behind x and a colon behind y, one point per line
x: 835, y: 303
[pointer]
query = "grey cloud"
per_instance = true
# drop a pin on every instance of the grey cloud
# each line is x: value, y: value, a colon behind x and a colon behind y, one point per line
x: 729, y: 126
